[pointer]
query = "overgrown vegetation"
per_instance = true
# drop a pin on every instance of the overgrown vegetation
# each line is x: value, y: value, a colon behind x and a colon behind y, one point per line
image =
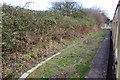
x: 73, y: 63
x: 30, y: 36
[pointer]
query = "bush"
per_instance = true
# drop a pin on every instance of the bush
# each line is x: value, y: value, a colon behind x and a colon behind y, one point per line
x: 96, y: 15
x: 25, y: 31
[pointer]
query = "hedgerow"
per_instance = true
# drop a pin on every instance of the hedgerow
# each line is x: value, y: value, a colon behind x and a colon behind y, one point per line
x: 32, y: 33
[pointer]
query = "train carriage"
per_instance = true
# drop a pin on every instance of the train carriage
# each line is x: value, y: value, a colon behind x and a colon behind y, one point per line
x: 116, y: 39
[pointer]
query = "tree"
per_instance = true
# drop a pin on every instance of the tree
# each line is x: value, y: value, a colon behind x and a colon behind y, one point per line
x: 66, y: 8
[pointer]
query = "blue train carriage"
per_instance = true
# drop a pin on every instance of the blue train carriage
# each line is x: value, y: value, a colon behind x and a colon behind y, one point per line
x: 116, y: 39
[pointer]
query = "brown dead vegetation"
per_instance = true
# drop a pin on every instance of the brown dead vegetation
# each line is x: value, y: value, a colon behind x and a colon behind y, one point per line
x: 31, y: 36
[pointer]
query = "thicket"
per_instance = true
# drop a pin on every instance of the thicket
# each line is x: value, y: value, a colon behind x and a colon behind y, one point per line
x: 23, y: 29
x: 17, y: 22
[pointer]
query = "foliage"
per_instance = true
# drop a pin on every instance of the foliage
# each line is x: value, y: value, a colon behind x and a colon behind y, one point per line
x: 8, y: 71
x: 26, y: 31
x: 27, y: 56
x: 43, y: 77
x: 72, y: 63
x: 66, y: 8
x: 18, y: 21
x: 97, y: 15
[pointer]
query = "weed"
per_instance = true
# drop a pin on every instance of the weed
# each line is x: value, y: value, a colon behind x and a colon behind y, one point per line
x: 76, y: 40
x: 43, y: 77
x: 17, y: 64
x: 64, y: 41
x: 23, y: 30
x: 27, y: 56
x: 73, y: 63
x: 8, y: 71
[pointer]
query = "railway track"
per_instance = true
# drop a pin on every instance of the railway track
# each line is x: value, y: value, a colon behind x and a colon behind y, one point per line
x: 110, y: 49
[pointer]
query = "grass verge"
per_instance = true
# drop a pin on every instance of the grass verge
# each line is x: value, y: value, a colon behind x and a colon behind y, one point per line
x: 73, y: 63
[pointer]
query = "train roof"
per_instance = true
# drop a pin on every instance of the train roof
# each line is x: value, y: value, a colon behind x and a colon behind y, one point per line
x: 118, y: 5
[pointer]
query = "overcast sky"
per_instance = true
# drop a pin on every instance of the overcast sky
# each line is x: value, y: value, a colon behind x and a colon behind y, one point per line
x: 107, y: 5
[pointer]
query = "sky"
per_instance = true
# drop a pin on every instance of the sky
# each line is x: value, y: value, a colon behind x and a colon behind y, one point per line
x: 108, y: 6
